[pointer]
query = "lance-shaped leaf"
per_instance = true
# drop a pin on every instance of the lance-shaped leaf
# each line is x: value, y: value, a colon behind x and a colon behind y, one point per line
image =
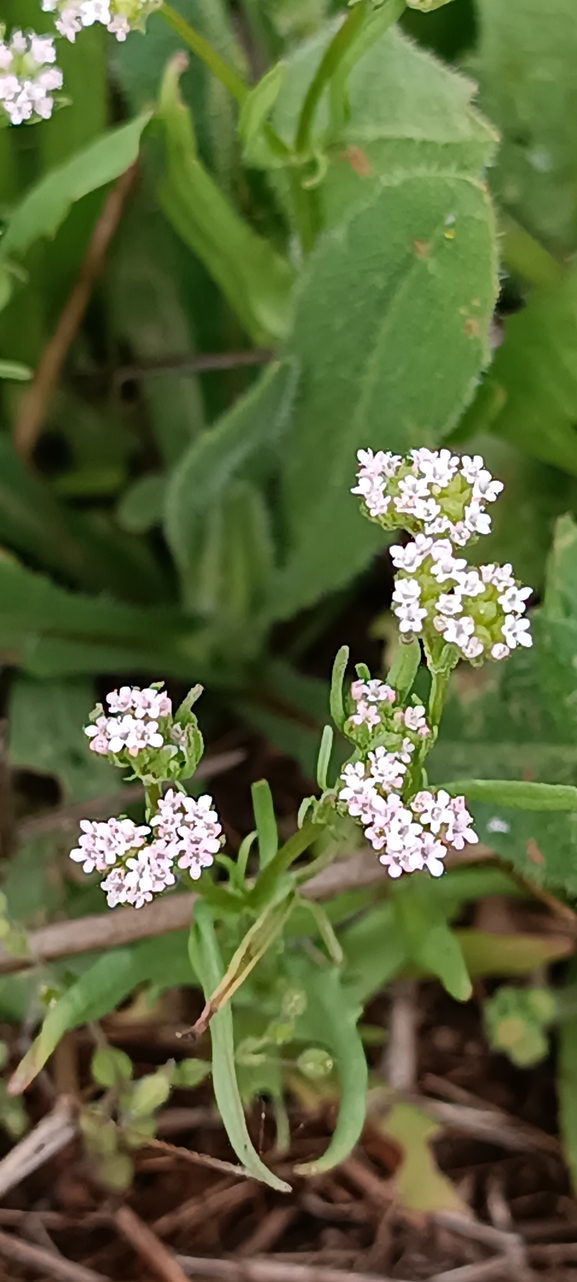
x: 516, y: 793
x: 253, y: 277
x: 331, y: 1020
x: 45, y: 207
x: 101, y: 989
x: 207, y: 961
x: 391, y: 332
x: 254, y: 945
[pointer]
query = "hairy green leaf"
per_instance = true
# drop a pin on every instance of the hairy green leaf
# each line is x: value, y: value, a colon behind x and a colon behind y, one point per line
x: 253, y: 277
x: 520, y: 795
x: 51, y: 632
x: 391, y: 333
x: 533, y: 379
x: 242, y: 445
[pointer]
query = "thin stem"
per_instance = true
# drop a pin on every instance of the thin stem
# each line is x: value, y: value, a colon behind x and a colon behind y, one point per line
x: 206, y: 53
x: 437, y: 697
x: 295, y: 846
x: 330, y: 60
x: 152, y: 793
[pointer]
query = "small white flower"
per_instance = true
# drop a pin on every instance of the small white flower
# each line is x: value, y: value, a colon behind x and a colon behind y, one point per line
x: 470, y: 583
x: 472, y: 467
x: 433, y: 853
x: 499, y: 651
x: 120, y: 700
x: 459, y: 831
x: 449, y: 603
x: 437, y: 467
x: 386, y: 768
x: 433, y: 809
x: 476, y: 520
x: 410, y: 618
x: 366, y: 715
x: 411, y: 557
x: 516, y: 632
x: 412, y: 491
x: 486, y: 488
x: 472, y: 648
x: 447, y: 566
x: 415, y: 719
x: 407, y: 591
x: 513, y: 600
x: 456, y: 631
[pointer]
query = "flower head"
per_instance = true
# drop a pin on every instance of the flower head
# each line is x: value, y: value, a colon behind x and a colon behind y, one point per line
x: 141, y: 861
x: 431, y: 493
x: 138, y: 722
x: 118, y: 16
x: 28, y: 76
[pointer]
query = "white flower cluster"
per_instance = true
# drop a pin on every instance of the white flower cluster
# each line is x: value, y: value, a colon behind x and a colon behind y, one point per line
x: 477, y: 610
x: 410, y: 836
x: 441, y: 500
x: 431, y: 492
x: 28, y: 77
x: 135, y: 723
x: 118, y: 16
x: 140, y: 859
x: 373, y: 701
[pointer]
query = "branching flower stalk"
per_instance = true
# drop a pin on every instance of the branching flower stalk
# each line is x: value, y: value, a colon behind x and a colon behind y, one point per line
x: 456, y: 612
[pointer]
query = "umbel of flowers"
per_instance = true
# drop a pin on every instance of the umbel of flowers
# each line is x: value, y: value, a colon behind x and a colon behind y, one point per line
x: 118, y: 16
x: 28, y: 76
x: 183, y: 833
x: 441, y: 500
x: 458, y: 612
x: 411, y: 830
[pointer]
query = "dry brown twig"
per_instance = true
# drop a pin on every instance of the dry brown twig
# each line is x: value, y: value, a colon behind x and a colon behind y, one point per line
x: 46, y: 1263
x: 147, y: 1245
x: 52, y: 1134
x: 34, y: 404
x: 126, y: 925
x: 269, y: 1269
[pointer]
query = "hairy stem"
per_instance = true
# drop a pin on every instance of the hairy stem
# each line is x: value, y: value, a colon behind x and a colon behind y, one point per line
x: 204, y: 50
x: 330, y: 60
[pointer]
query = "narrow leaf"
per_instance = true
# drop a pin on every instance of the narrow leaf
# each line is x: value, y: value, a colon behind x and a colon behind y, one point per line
x: 336, y: 695
x: 520, y: 795
x: 207, y: 961
x: 98, y: 991
x: 331, y: 1019
x: 404, y: 668
x: 324, y: 757
x: 45, y: 207
x: 265, y: 820
x: 253, y: 277
x: 254, y: 945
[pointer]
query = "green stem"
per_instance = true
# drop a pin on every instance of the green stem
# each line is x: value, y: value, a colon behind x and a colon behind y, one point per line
x: 437, y: 697
x: 206, y: 53
x: 297, y: 844
x: 330, y: 60
x: 153, y: 793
